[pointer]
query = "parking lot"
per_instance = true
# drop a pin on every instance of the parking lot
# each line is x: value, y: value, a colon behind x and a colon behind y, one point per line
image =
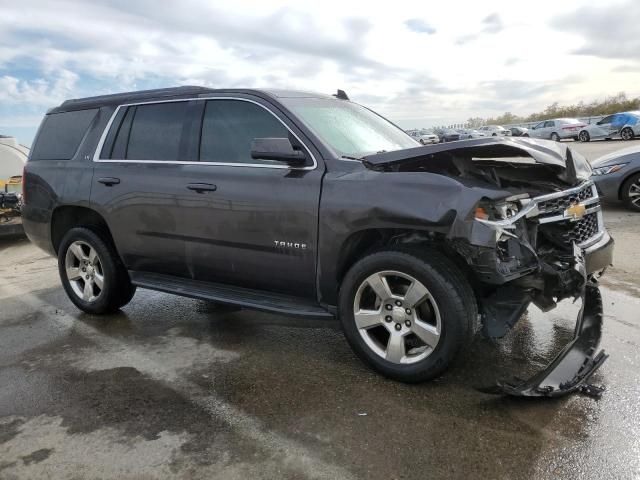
x: 173, y: 388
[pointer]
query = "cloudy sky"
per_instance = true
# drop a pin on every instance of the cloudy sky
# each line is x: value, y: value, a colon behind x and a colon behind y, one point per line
x: 418, y: 64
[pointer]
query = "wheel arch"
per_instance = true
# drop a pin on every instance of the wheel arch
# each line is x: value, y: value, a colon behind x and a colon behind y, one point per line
x: 625, y: 180
x: 362, y: 243
x: 66, y: 217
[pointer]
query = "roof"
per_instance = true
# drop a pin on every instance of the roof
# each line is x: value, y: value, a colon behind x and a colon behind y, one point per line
x: 173, y: 93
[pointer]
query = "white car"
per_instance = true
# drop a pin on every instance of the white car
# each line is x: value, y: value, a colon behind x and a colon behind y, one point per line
x: 624, y: 125
x: 425, y: 137
x: 494, y: 131
x: 557, y: 129
x: 468, y: 133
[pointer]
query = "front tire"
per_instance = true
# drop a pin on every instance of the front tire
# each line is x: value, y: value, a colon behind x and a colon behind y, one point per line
x: 407, y: 314
x: 627, y: 134
x: 91, y: 272
x: 555, y: 137
x: 631, y: 193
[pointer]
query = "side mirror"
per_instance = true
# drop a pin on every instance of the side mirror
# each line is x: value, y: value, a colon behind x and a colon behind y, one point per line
x: 279, y: 149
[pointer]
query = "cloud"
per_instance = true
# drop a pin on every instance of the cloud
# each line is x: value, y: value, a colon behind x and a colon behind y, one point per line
x: 419, y: 26
x: 627, y: 68
x: 608, y: 32
x: 491, y: 24
x: 38, y: 92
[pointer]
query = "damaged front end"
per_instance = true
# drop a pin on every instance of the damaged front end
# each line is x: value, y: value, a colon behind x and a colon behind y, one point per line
x: 541, y: 240
x: 548, y: 251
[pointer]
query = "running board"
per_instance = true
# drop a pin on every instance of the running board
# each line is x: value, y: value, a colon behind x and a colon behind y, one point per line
x: 230, y: 295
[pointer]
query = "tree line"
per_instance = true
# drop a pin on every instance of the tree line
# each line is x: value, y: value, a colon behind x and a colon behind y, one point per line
x: 613, y: 104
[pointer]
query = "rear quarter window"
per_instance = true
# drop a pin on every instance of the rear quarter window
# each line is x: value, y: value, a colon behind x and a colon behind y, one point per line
x: 61, y: 133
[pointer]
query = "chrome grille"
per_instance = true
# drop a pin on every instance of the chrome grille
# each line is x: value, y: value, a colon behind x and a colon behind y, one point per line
x: 581, y: 231
x: 565, y: 230
x: 559, y: 205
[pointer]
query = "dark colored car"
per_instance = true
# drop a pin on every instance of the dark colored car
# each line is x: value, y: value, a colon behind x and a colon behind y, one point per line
x: 519, y: 132
x: 448, y: 135
x: 617, y: 176
x: 310, y: 205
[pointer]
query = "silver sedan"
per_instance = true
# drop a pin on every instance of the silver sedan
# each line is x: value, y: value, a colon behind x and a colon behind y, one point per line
x: 624, y: 125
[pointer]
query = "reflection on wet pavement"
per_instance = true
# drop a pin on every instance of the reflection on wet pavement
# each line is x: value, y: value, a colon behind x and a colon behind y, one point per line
x: 174, y: 388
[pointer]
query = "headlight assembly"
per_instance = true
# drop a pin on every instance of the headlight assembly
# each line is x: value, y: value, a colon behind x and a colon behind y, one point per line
x: 608, y: 169
x: 499, y: 210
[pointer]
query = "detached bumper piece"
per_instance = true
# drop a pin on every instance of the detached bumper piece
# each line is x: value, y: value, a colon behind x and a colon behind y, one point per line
x: 574, y: 365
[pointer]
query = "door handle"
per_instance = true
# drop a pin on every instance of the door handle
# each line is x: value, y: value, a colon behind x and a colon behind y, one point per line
x: 202, y: 187
x: 109, y: 181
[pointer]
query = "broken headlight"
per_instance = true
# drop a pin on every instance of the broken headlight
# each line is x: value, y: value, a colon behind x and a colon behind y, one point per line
x: 495, y: 211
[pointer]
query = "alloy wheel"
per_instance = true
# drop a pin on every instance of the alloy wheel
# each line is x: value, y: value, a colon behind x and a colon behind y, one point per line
x: 397, y: 317
x: 626, y: 134
x: 584, y: 137
x: 84, y: 271
x: 634, y: 193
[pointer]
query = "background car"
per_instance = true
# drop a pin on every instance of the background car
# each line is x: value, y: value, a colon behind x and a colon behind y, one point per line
x: 448, y: 135
x: 617, y: 176
x: 557, y: 129
x: 519, y: 131
x: 625, y: 125
x: 466, y: 133
x: 425, y: 137
x: 494, y: 131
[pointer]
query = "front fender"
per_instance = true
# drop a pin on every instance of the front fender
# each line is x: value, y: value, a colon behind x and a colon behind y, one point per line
x: 372, y: 200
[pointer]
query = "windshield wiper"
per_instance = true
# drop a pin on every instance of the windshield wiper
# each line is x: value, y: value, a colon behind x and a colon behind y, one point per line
x: 349, y: 158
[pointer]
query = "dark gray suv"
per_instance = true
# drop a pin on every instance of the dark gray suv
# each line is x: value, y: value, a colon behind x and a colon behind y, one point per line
x: 312, y: 205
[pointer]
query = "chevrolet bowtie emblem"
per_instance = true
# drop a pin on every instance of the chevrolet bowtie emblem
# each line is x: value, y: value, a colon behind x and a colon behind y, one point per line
x: 575, y: 211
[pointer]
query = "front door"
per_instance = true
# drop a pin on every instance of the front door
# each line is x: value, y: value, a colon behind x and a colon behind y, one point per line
x: 259, y: 228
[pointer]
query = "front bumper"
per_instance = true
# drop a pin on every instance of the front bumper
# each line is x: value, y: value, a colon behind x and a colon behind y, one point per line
x: 571, y: 369
x: 599, y: 256
x: 575, y: 364
x: 11, y: 228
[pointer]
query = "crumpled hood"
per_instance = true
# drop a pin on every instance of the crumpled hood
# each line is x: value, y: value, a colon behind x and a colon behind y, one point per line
x: 573, y: 165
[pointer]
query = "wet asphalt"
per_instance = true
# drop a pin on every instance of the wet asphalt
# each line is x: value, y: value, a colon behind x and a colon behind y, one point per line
x: 176, y: 388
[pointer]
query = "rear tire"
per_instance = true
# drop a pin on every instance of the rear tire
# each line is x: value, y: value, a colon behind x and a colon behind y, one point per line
x: 432, y: 316
x: 584, y: 136
x: 631, y: 192
x: 627, y: 134
x: 92, y: 273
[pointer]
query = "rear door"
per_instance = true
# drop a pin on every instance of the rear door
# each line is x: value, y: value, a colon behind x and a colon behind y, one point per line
x: 140, y: 183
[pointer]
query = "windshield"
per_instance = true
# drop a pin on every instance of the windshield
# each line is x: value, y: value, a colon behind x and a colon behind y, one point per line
x: 349, y: 129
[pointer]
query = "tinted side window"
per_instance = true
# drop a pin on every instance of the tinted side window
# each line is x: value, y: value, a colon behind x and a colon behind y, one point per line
x: 119, y: 151
x: 549, y: 123
x: 606, y: 120
x: 61, y: 134
x: 156, y: 131
x: 229, y: 127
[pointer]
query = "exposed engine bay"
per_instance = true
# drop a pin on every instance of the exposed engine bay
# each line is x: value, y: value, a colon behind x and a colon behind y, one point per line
x: 543, y: 241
